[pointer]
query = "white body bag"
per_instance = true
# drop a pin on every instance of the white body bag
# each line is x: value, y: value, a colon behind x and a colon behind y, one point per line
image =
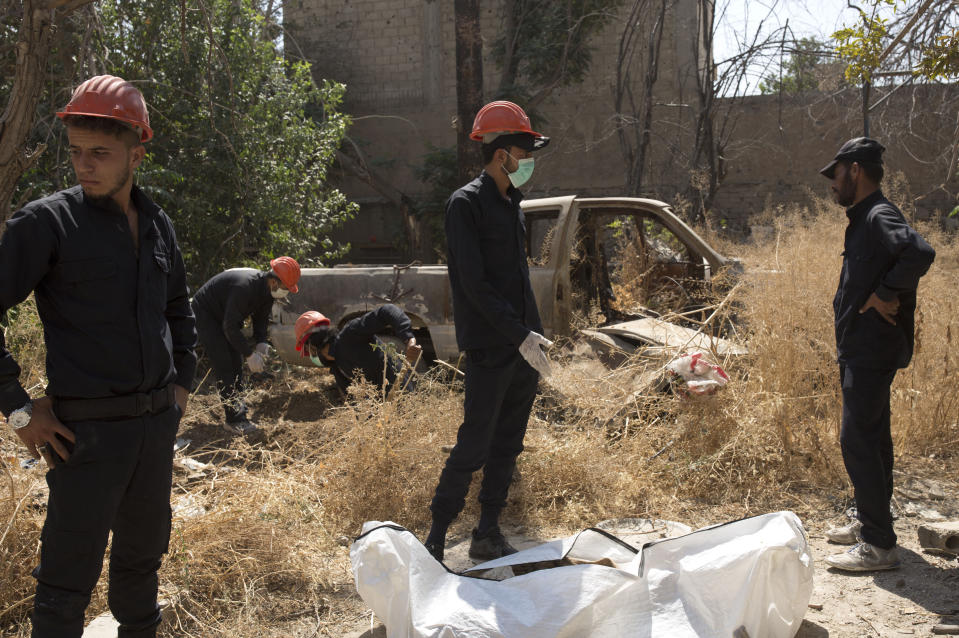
x: 747, y: 578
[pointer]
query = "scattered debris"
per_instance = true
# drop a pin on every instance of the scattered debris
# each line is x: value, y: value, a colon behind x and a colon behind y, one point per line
x: 29, y: 463
x: 702, y: 377
x: 181, y: 444
x: 193, y: 465
x: 941, y: 536
x: 187, y: 507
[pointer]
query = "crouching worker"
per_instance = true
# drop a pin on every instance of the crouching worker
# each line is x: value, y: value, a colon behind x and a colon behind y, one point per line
x: 356, y: 348
x: 221, y: 306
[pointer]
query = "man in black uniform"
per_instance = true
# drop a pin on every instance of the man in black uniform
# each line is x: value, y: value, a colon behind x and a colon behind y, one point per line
x: 874, y: 314
x: 108, y: 277
x: 497, y: 324
x: 356, y: 348
x: 222, y: 305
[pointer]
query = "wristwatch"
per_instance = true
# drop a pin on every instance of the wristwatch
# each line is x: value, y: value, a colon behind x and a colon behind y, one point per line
x: 20, y: 418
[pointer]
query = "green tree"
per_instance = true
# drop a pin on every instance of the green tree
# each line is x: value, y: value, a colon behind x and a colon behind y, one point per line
x: 930, y: 33
x: 797, y: 74
x: 877, y: 44
x: 862, y: 45
x: 439, y: 171
x: 941, y: 59
x: 243, y: 139
x: 545, y: 44
x: 27, y: 28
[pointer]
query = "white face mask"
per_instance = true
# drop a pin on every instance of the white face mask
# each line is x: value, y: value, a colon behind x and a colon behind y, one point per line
x: 280, y: 293
x: 524, y: 170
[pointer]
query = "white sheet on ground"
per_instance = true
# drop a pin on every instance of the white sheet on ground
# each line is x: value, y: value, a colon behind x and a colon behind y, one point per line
x: 754, y: 573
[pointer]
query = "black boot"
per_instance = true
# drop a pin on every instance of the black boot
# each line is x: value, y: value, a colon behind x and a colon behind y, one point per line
x: 490, y: 545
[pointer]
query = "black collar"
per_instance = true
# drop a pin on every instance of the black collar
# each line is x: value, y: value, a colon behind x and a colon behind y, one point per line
x: 489, y: 189
x: 863, y: 205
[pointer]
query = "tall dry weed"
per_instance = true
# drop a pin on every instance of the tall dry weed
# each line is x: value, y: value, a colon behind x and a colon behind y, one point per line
x: 261, y: 536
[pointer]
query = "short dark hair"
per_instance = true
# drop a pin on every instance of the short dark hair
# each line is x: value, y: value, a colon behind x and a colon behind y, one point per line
x: 322, y: 336
x: 873, y: 170
x: 108, y: 125
x: 488, y: 150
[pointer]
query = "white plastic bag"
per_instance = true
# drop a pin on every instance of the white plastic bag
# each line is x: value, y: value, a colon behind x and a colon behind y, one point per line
x: 755, y: 573
x: 702, y: 377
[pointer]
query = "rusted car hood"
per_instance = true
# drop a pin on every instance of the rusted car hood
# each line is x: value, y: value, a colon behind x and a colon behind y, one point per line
x: 659, y: 334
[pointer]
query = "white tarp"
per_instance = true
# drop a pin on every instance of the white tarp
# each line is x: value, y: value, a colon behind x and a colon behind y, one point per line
x: 751, y: 577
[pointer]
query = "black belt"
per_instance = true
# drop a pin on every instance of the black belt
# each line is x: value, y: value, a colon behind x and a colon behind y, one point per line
x: 118, y: 407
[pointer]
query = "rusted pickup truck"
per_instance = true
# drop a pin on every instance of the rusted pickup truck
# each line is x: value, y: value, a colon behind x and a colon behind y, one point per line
x: 605, y: 262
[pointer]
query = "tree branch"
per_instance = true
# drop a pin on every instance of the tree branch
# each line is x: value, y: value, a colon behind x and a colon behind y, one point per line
x: 65, y: 6
x: 905, y: 30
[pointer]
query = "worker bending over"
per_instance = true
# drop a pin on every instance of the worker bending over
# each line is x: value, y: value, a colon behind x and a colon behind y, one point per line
x: 356, y: 348
x: 221, y: 306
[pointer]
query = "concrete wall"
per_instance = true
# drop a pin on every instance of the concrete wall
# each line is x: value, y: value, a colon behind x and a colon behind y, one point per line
x: 778, y: 147
x: 397, y: 59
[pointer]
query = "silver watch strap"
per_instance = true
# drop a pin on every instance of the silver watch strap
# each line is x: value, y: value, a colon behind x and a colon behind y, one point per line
x: 20, y: 418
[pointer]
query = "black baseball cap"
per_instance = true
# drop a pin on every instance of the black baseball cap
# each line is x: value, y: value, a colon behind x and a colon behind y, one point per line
x: 858, y: 149
x: 525, y: 141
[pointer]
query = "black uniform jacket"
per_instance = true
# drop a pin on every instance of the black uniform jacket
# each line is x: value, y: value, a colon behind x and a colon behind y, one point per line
x: 232, y: 296
x: 883, y: 254
x: 356, y: 346
x: 115, y: 321
x: 493, y: 303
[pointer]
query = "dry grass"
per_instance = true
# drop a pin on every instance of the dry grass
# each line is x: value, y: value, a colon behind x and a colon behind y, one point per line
x: 267, y: 555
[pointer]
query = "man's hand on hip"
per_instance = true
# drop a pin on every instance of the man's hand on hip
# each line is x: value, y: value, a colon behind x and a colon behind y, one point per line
x: 531, y: 351
x: 886, y: 309
x: 42, y: 432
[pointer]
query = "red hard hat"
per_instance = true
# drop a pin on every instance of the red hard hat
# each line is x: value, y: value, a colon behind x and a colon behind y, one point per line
x: 501, y: 117
x: 288, y: 271
x: 304, y: 327
x: 112, y: 97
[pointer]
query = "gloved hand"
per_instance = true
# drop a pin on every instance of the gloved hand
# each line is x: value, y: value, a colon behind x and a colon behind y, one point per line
x: 534, y: 355
x: 413, y: 351
x: 256, y: 362
x: 263, y: 349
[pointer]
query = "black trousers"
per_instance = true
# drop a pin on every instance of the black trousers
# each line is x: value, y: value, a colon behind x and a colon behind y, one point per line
x: 866, y: 442
x: 500, y: 389
x: 118, y: 479
x: 227, y: 364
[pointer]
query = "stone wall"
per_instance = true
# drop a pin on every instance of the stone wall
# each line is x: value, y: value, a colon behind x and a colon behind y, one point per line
x: 397, y: 59
x: 779, y: 145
